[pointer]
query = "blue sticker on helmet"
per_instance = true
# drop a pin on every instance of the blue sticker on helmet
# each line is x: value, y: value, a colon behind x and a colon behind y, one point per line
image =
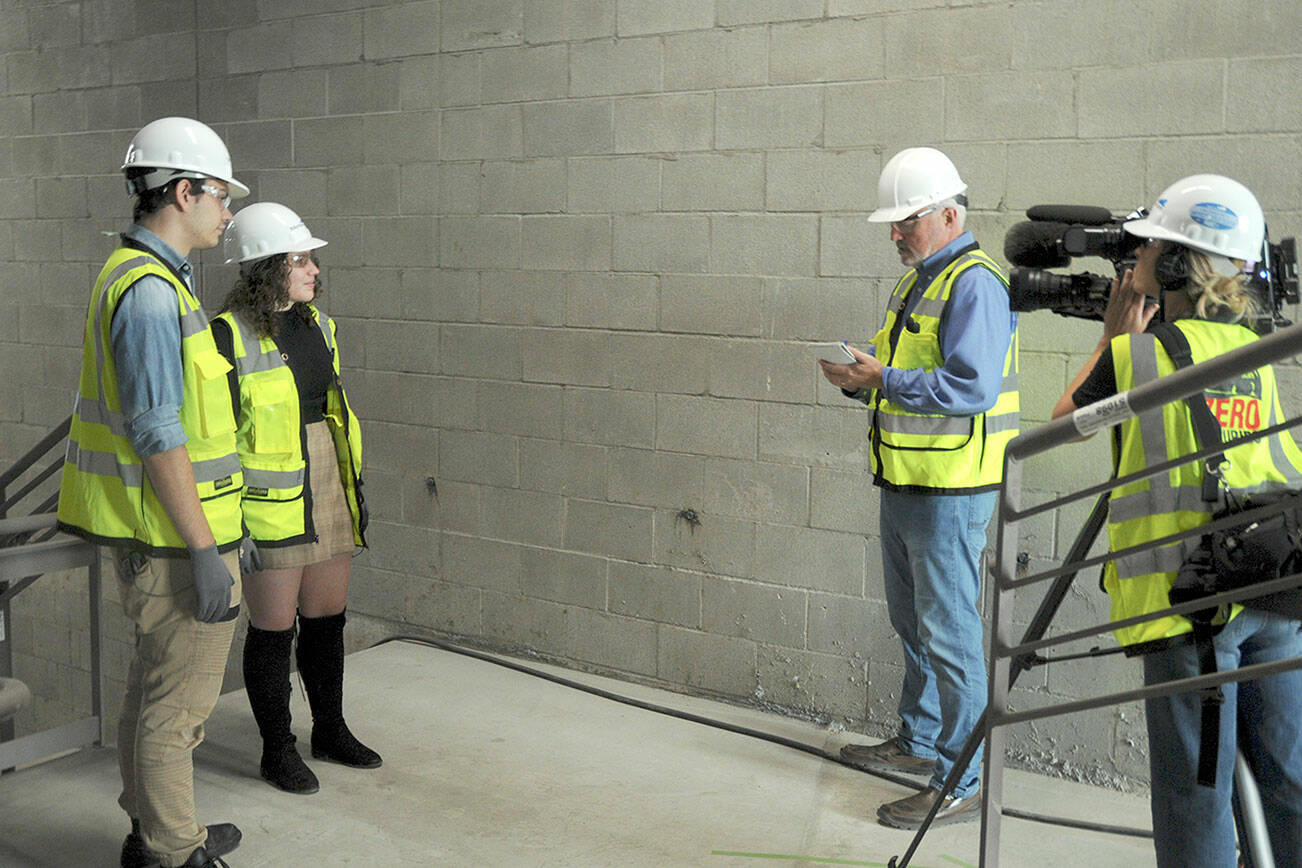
x: 1213, y: 215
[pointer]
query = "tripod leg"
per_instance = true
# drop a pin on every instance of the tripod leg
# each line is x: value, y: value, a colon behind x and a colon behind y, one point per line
x: 1254, y: 844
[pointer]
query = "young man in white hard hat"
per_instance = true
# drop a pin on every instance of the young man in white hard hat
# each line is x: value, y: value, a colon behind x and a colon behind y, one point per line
x: 153, y: 477
x: 940, y: 383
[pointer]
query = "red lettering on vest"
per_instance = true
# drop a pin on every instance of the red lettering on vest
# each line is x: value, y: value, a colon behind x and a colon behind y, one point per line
x: 1236, y: 413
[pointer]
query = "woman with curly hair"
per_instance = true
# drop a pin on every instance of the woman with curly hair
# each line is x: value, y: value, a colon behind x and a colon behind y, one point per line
x: 300, y: 446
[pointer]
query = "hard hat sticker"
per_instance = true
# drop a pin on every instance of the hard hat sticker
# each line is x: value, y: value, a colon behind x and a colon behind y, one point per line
x: 1213, y: 215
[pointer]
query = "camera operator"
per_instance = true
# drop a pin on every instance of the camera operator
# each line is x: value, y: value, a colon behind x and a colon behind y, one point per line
x: 1201, y: 235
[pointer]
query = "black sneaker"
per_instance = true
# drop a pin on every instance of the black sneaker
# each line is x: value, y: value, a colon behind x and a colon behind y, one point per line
x: 222, y: 839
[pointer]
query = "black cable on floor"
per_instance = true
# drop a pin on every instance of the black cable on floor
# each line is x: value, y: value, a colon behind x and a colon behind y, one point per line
x: 743, y: 730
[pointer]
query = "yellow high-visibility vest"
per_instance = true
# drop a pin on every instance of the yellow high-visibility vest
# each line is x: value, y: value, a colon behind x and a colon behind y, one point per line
x: 270, y: 438
x: 932, y: 452
x: 1171, y: 502
x: 105, y: 495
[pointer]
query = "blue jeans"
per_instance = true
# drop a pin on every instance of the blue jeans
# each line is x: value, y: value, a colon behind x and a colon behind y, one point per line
x: 931, y: 560
x: 1193, y: 826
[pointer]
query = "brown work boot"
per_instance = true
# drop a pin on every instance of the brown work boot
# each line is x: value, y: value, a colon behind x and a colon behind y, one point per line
x: 910, y: 812
x: 889, y: 756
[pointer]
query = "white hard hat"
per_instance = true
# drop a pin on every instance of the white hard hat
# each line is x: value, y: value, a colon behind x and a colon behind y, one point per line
x: 179, y: 148
x: 264, y: 229
x: 1210, y: 213
x: 913, y: 179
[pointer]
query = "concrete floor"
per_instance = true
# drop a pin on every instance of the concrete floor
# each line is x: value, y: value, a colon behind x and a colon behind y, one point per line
x: 486, y: 766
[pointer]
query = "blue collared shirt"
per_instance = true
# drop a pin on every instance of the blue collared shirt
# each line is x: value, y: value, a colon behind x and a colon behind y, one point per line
x: 146, y: 338
x: 974, y: 336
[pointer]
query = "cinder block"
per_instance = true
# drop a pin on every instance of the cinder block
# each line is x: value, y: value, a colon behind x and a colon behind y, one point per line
x: 522, y: 409
x: 522, y: 74
x: 458, y: 188
x: 817, y: 436
x: 488, y: 133
x: 16, y: 112
x: 849, y: 627
x: 457, y: 79
x: 361, y: 88
x: 564, y: 577
x: 651, y: 242
x: 469, y: 350
x: 714, y: 182
x: 706, y: 426
x: 460, y: 508
x: 769, y: 615
x: 712, y: 305
x: 761, y: 371
x: 304, y: 190
x: 839, y: 49
x: 1258, y: 91
x: 612, y: 642
x: 260, y: 144
x: 609, y: 529
x: 394, y: 447
x: 260, y: 47
x: 544, y: 21
x: 566, y: 243
x: 811, y: 683
x: 230, y: 99
x: 1270, y: 166
x: 666, y: 363
x: 850, y: 246
x: 1016, y: 106
x: 522, y: 187
x: 589, y: 19
x: 571, y: 469
x: 420, y: 190
x: 59, y: 112
x: 822, y: 309
x: 1044, y: 332
x: 733, y: 12
x: 60, y: 68
x: 816, y: 180
x: 1048, y: 35
x: 38, y: 155
x: 803, y: 557
x: 532, y: 517
x: 709, y: 59
x: 152, y: 58
x: 636, y: 18
x: 566, y: 357
x: 644, y: 477
x: 610, y: 418
x: 329, y: 141
x: 615, y: 66
x: 53, y: 26
x: 525, y: 623
x: 327, y: 39
x: 448, y: 608
x: 613, y: 301
x: 609, y: 184
x: 777, y: 117
x: 568, y: 128
x: 404, y: 549
x: 721, y: 664
x: 396, y: 345
x: 1214, y: 31
x: 1042, y: 379
x: 401, y: 30
x: 61, y: 197
x: 769, y: 493
x: 470, y: 24
x: 401, y: 137
x: 534, y: 298
x: 389, y: 241
x: 362, y: 190
x: 1177, y: 98
x: 405, y: 398
x: 660, y: 594
x: 479, y: 242
x: 671, y: 122
x: 987, y: 34
x: 766, y: 244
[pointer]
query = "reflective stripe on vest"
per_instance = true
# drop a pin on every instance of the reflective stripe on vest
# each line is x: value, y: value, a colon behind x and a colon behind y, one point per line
x: 1171, y: 502
x: 105, y: 494
x: 935, y: 452
x: 277, y: 503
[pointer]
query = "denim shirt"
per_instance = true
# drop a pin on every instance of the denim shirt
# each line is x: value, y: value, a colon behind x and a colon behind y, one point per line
x: 974, y: 336
x: 146, y: 339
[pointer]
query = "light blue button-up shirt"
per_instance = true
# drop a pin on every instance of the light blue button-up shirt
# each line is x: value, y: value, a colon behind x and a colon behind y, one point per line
x: 974, y: 336
x: 146, y: 341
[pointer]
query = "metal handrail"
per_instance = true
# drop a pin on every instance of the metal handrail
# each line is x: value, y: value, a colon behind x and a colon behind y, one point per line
x: 1006, y: 653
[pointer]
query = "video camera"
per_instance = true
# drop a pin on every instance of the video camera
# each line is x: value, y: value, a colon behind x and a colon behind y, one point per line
x: 1055, y: 234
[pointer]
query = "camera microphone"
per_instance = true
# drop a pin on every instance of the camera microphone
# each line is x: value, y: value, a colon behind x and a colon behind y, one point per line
x: 1090, y: 215
x: 912, y: 325
x: 1036, y: 244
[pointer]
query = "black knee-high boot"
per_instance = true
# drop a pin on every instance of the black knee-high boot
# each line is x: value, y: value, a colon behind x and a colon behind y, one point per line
x: 321, y: 665
x: 266, y: 679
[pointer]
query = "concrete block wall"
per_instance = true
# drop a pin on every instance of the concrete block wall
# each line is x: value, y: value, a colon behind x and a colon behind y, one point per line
x: 577, y: 248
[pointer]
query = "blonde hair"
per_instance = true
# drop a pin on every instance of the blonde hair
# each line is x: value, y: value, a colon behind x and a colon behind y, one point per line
x: 1215, y: 296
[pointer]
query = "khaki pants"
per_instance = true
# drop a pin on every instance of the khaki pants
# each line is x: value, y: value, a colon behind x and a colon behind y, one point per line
x: 173, y: 684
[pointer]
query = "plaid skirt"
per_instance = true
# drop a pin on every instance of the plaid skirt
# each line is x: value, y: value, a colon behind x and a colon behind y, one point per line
x: 330, y: 515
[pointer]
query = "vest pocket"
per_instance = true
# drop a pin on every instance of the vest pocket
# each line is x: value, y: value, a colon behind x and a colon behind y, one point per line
x: 215, y: 417
x: 273, y: 423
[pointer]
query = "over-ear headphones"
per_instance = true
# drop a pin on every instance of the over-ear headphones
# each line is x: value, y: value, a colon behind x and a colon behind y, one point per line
x: 1171, y: 268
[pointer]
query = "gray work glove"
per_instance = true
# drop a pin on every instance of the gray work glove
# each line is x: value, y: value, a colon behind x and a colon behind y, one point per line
x: 250, y: 557
x: 212, y: 584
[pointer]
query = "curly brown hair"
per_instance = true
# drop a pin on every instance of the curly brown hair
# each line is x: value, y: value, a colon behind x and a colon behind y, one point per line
x: 262, y: 290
